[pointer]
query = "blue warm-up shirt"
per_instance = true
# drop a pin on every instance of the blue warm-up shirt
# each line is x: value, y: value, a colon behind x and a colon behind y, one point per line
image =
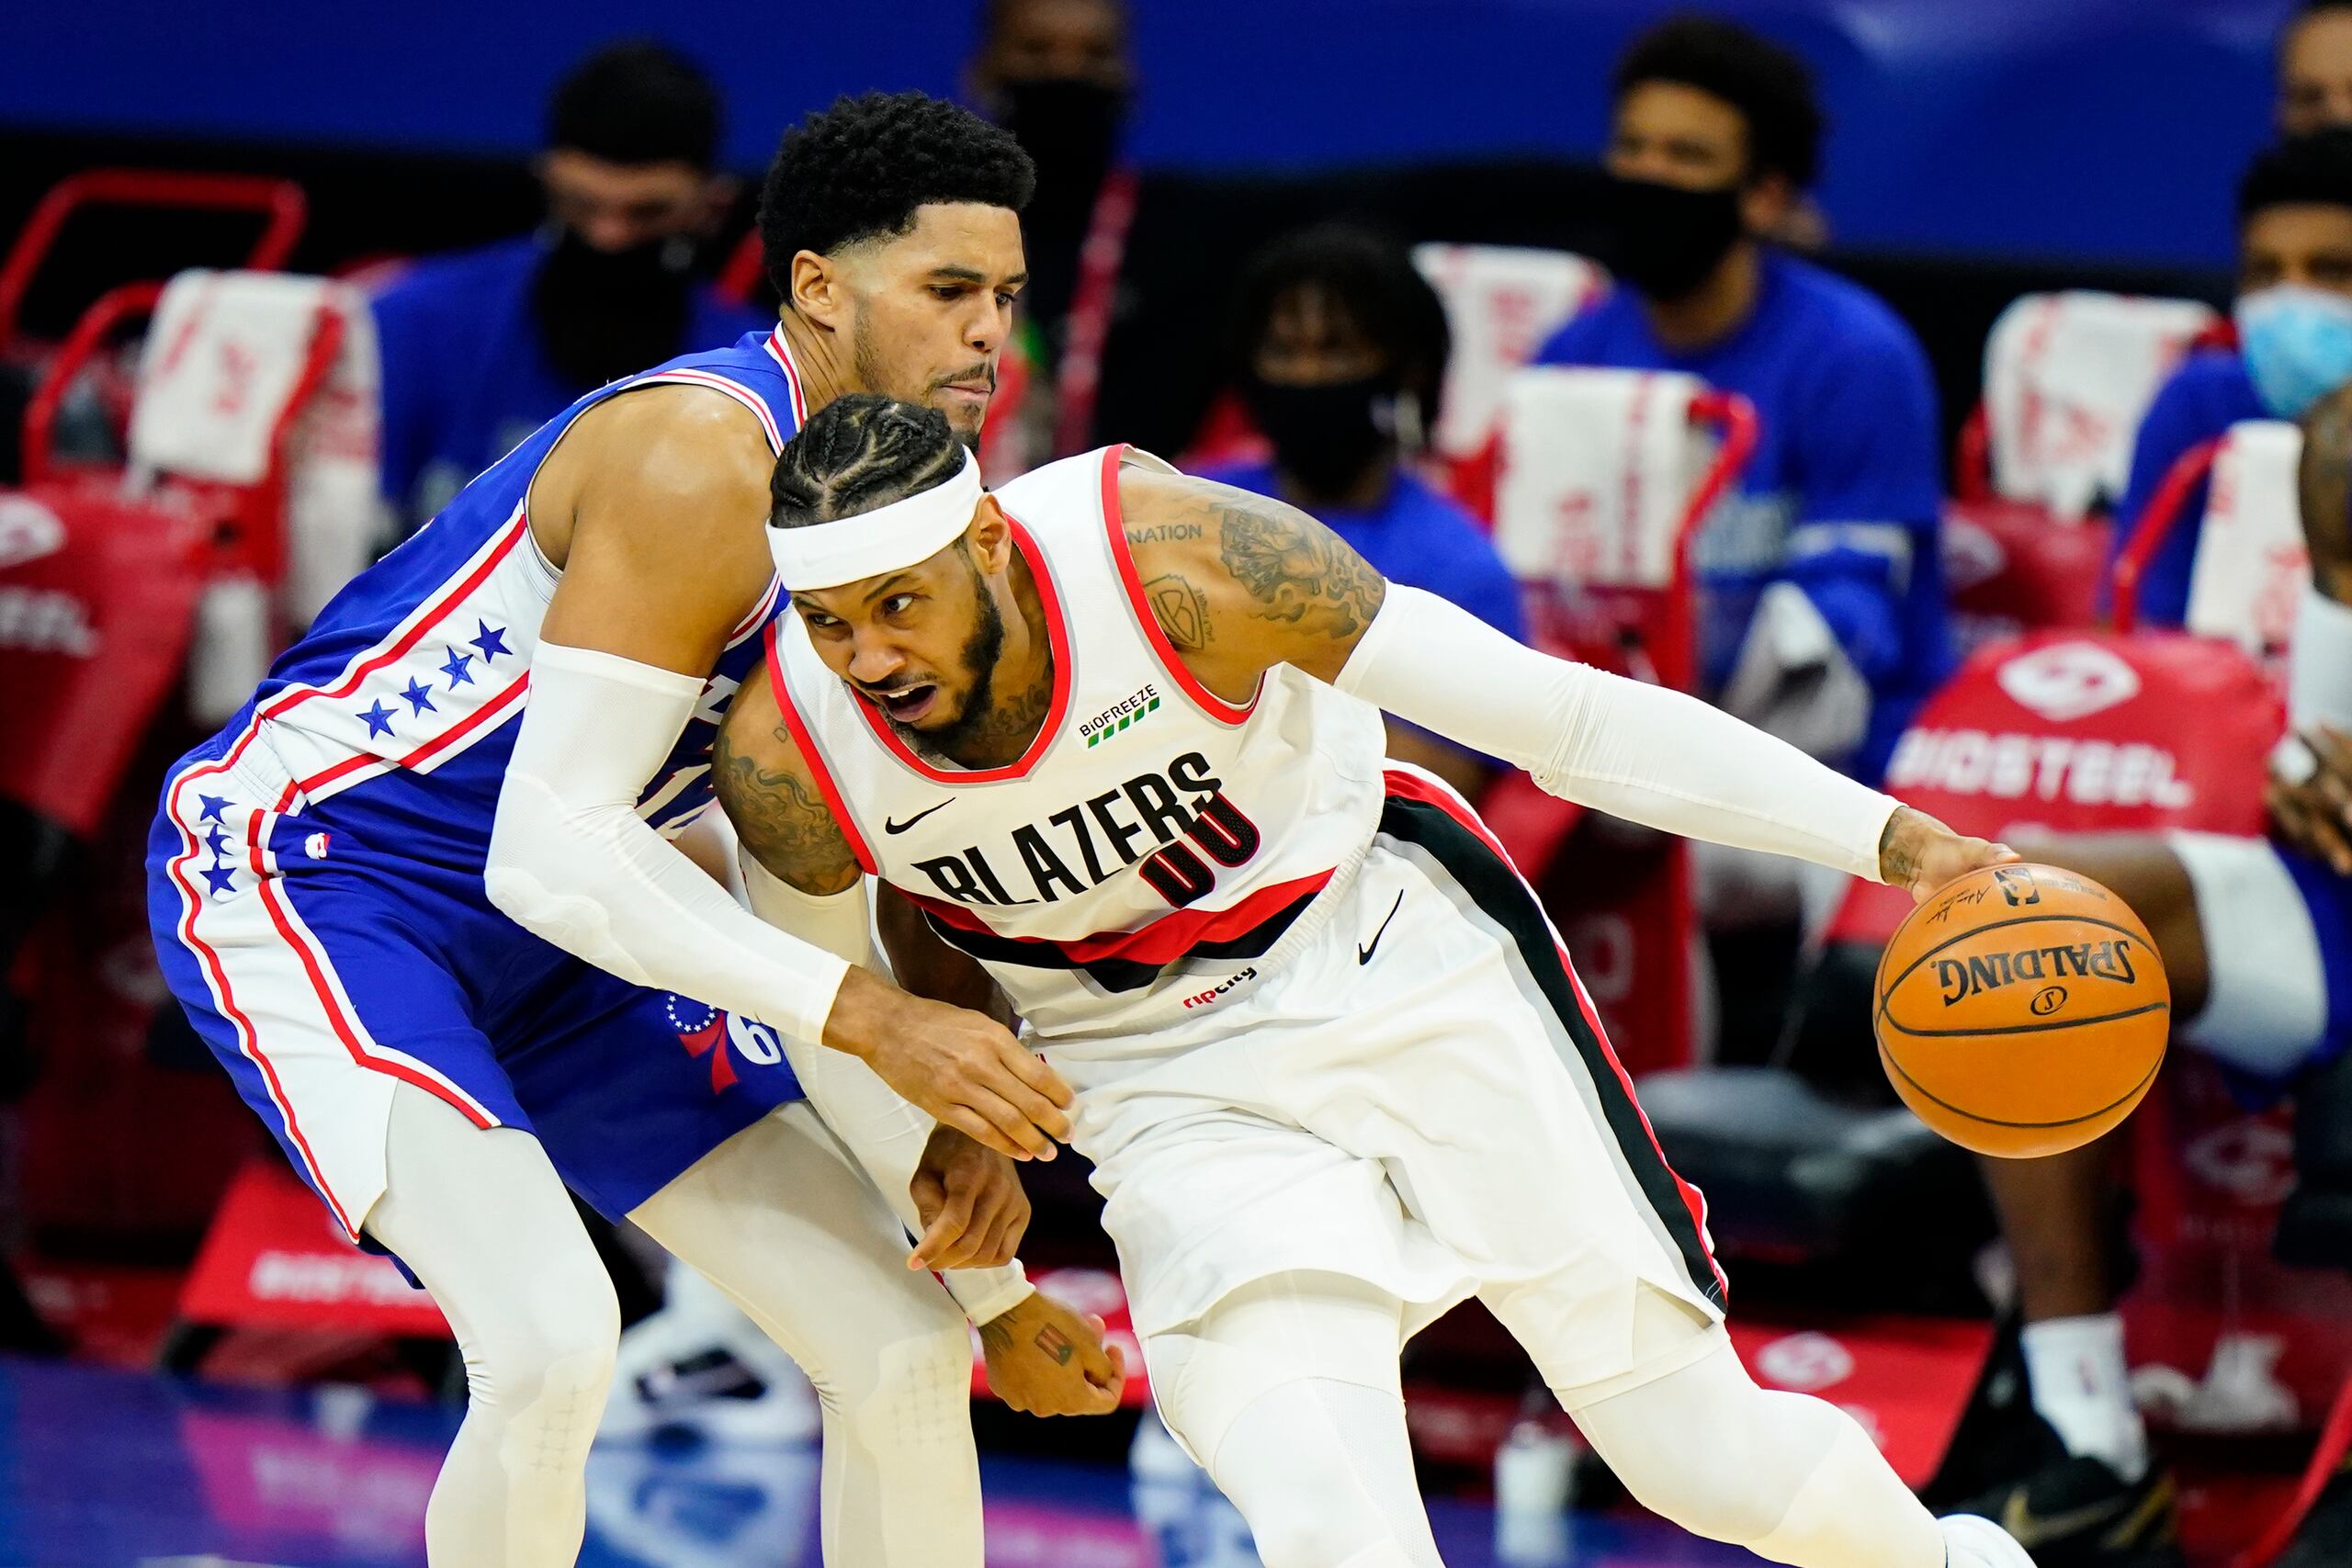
x: 2209, y: 392
x: 1843, y: 496
x: 465, y: 380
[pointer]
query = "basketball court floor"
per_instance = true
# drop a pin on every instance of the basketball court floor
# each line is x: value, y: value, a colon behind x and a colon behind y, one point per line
x: 101, y: 1467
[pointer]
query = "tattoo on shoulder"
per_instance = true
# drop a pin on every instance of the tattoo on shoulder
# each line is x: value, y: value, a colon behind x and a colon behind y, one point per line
x: 1163, y: 533
x: 1298, y: 570
x: 788, y: 829
x: 1183, y: 610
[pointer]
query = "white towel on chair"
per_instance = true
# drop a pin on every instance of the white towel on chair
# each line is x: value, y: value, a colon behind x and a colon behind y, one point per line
x: 1598, y: 468
x: 2251, y: 567
x: 1502, y: 303
x: 2067, y: 378
x: 222, y: 361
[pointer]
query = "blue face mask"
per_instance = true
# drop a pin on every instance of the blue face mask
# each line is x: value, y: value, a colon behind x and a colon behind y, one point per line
x: 2297, y: 345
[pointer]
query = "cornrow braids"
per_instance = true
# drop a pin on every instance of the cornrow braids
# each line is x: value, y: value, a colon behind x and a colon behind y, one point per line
x: 857, y: 453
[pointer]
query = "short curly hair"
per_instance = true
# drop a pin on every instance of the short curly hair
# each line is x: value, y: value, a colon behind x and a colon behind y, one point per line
x: 1771, y: 87
x: 858, y: 171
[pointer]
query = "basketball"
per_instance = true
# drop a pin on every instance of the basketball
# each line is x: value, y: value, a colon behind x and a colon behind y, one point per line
x: 2022, y: 1011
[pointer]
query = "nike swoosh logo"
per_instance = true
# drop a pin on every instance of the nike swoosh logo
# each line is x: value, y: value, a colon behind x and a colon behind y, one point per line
x: 1364, y: 953
x: 2029, y: 1530
x: 894, y: 828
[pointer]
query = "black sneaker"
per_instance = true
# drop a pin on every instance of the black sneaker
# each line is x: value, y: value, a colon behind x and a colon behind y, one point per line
x: 2073, y: 1512
x: 2325, y: 1537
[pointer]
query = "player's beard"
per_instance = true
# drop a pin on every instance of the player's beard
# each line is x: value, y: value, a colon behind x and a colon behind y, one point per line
x: 873, y: 376
x: 981, y: 651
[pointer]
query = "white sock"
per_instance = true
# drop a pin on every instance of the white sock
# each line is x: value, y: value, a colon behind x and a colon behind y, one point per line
x: 2083, y: 1388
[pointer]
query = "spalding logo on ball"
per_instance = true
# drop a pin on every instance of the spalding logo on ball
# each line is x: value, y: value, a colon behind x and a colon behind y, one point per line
x: 2022, y: 1011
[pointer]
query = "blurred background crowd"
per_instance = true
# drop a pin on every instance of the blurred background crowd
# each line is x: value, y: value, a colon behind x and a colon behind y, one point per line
x: 1892, y: 373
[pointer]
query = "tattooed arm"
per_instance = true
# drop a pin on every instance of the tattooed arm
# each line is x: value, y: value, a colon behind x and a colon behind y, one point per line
x: 770, y: 796
x: 1240, y: 583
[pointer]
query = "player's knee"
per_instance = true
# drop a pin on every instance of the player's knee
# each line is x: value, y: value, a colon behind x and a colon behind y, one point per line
x: 553, y: 1352
x: 915, y: 1397
x: 1308, y: 1537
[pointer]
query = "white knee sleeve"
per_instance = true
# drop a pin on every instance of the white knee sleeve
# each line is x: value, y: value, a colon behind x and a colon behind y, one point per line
x: 1287, y: 1393
x: 486, y: 1224
x: 1791, y: 1478
x: 2265, y: 1000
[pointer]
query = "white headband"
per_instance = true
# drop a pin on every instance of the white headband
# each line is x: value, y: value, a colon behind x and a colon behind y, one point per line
x: 888, y: 538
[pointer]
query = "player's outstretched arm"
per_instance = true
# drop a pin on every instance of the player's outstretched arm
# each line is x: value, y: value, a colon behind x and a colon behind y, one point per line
x: 1241, y: 583
x: 962, y: 1068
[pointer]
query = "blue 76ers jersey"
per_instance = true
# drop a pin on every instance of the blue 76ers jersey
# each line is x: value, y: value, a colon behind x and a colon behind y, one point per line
x: 393, y: 719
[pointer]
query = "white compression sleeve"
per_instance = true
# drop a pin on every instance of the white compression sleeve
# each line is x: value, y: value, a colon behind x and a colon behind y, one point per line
x: 885, y: 1132
x: 572, y: 861
x: 1642, y: 752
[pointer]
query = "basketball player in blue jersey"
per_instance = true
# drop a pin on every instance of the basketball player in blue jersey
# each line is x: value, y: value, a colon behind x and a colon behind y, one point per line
x: 423, y: 899
x: 1116, y: 733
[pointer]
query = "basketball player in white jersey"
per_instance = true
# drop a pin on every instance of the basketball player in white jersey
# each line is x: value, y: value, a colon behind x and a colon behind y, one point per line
x: 1116, y: 734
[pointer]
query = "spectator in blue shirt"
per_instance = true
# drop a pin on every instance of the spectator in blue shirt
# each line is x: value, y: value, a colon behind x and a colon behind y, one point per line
x: 2295, y: 316
x: 1715, y: 137
x: 1339, y: 348
x: 482, y: 348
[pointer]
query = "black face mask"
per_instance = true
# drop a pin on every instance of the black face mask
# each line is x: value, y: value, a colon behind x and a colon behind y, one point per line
x: 1663, y: 241
x: 1070, y: 127
x: 1325, y: 437
x: 606, y: 314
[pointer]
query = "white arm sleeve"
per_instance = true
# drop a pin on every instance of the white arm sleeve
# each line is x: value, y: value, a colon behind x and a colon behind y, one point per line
x: 884, y: 1133
x: 572, y: 861
x: 1642, y: 752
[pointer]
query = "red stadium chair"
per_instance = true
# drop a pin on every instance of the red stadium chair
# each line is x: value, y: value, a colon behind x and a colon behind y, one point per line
x: 1614, y: 586
x: 2142, y: 730
x: 2251, y: 564
x: 115, y: 568
x: 2067, y: 378
x: 280, y: 205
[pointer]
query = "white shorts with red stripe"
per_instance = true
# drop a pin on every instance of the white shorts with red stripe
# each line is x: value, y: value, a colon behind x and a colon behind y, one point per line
x: 1421, y: 1097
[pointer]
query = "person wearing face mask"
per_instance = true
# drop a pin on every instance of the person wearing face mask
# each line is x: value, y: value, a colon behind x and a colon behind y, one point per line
x: 1058, y: 75
x: 1338, y: 346
x: 1830, y: 543
x: 482, y: 348
x: 2294, y: 340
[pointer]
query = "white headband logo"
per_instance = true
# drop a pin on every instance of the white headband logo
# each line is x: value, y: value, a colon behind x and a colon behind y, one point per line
x: 888, y: 538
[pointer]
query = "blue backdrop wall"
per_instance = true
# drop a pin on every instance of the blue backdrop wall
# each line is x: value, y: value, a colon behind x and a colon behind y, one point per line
x: 2090, y: 128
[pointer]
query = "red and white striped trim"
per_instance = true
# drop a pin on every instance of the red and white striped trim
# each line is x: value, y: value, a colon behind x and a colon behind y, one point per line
x: 759, y: 615
x: 734, y: 389
x: 1231, y: 715
x: 215, y: 980
x: 363, y: 1046
x: 781, y: 352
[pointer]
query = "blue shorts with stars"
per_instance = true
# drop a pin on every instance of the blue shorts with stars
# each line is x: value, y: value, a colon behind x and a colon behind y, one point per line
x: 327, y: 954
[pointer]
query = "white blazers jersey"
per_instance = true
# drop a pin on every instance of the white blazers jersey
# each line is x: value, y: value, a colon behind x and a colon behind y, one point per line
x: 1157, y: 848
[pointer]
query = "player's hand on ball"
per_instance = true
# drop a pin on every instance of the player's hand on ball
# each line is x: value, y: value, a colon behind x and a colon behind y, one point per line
x: 1045, y: 1359
x: 963, y: 1068
x: 969, y: 1200
x: 1921, y: 854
